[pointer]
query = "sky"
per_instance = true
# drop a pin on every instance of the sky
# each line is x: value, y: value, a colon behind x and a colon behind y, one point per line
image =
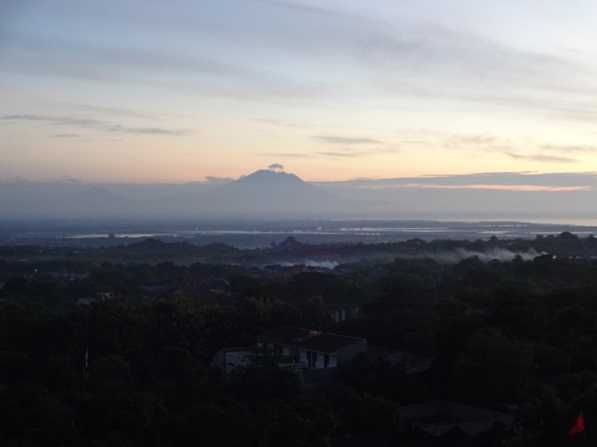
x: 181, y: 90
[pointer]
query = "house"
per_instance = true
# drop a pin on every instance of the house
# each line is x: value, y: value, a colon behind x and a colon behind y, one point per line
x: 105, y: 296
x: 86, y: 301
x: 330, y: 350
x: 294, y: 348
x: 342, y: 312
x: 99, y: 298
x: 229, y: 359
x: 309, y: 349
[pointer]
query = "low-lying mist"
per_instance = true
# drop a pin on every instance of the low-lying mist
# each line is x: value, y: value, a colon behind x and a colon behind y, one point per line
x: 458, y: 255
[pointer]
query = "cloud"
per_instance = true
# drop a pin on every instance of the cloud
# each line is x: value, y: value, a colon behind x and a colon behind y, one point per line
x: 456, y: 140
x: 340, y: 154
x: 453, y: 140
x: 354, y: 146
x: 303, y: 8
x: 164, y: 69
x: 351, y: 153
x: 276, y: 167
x: 75, y: 53
x: 91, y: 123
x: 65, y: 135
x: 510, y: 147
x: 576, y: 179
x: 61, y: 120
x: 112, y: 111
x: 390, y: 53
x: 550, y: 103
x: 486, y: 187
x: 147, y: 130
x: 346, y: 140
x: 569, y: 148
x: 287, y: 124
x: 540, y: 158
x: 286, y: 154
x: 433, y: 62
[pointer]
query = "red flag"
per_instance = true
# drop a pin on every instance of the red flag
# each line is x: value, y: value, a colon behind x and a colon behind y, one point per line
x: 578, y: 426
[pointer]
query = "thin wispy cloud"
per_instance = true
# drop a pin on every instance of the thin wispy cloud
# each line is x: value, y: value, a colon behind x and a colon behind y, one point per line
x: 282, y: 123
x: 469, y: 68
x: 452, y: 140
x: 485, y: 187
x: 65, y: 135
x: 542, y: 158
x: 569, y: 148
x: 352, y: 153
x: 473, y: 140
x: 345, y: 153
x: 575, y: 179
x: 58, y: 120
x: 486, y: 143
x: 340, y: 154
x: 148, y: 130
x: 95, y: 124
x: 286, y: 154
x: 332, y: 139
x: 164, y: 70
x: 303, y: 8
x: 112, y: 111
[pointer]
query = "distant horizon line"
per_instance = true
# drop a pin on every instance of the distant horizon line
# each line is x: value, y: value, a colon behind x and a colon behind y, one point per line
x: 578, y: 222
x: 219, y: 180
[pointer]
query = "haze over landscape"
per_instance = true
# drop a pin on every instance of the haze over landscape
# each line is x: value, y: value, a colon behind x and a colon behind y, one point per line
x: 273, y: 193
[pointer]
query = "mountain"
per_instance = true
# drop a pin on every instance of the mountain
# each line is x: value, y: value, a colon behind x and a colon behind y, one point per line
x: 265, y: 176
x: 269, y: 193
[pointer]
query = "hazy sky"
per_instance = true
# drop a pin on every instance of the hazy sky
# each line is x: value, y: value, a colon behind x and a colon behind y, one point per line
x: 178, y: 90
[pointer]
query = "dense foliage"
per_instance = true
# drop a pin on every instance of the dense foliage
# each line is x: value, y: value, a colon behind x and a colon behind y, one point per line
x: 131, y: 365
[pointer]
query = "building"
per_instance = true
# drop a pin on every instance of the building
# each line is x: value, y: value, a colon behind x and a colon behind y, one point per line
x: 294, y: 348
x: 309, y: 349
x: 343, y: 312
x: 229, y: 359
x: 100, y: 297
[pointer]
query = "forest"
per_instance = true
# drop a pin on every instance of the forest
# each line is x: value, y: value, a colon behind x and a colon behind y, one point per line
x: 120, y: 353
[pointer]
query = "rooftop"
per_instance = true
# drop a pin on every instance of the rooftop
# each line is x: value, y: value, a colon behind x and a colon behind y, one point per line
x: 289, y: 335
x: 310, y: 339
x: 330, y: 342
